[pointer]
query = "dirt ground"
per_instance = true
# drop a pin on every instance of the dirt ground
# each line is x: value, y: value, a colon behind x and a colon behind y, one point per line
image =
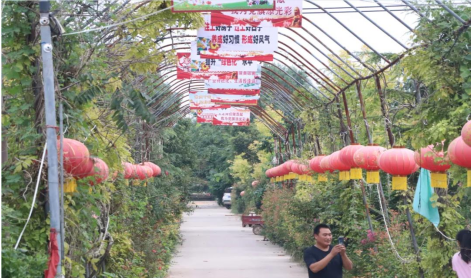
x: 216, y: 245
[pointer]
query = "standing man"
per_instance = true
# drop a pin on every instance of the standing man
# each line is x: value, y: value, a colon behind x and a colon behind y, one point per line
x: 324, y: 260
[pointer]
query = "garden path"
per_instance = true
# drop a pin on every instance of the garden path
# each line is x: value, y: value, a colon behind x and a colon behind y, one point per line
x: 216, y: 245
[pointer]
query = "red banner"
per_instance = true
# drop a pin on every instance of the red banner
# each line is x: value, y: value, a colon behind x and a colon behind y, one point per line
x: 234, y: 91
x: 286, y: 14
x: 185, y: 70
x: 237, y: 55
x: 237, y: 38
x: 239, y: 100
x: 234, y: 116
x: 203, y: 100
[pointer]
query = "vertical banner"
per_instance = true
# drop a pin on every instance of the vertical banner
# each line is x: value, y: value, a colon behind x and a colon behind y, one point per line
x: 234, y: 116
x: 188, y: 6
x: 287, y: 14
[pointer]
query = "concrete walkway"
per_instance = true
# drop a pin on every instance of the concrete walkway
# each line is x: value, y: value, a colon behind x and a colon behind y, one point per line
x: 216, y: 245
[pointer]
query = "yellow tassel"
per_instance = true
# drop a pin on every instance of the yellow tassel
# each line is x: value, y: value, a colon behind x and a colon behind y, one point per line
x: 90, y: 189
x: 136, y: 182
x: 303, y: 177
x: 372, y: 177
x: 439, y: 180
x: 70, y: 185
x: 399, y: 183
x: 127, y: 182
x: 468, y: 178
x: 356, y: 173
x: 344, y: 175
x: 322, y: 177
x: 271, y: 180
x: 311, y: 180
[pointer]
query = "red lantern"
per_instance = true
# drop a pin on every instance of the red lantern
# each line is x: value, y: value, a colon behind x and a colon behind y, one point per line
x: 148, y: 171
x: 128, y: 170
x: 346, y: 157
x: 76, y: 156
x: 242, y: 193
x: 325, y: 164
x: 337, y: 164
x: 314, y: 164
x: 99, y: 172
x: 140, y: 172
x: 433, y: 161
x: 255, y: 183
x: 288, y: 165
x: 399, y: 162
x: 84, y: 170
x: 466, y: 133
x: 367, y: 159
x: 295, y: 168
x: 459, y: 153
x: 156, y: 169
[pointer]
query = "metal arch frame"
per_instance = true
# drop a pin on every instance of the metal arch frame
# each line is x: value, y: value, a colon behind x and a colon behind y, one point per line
x: 283, y: 93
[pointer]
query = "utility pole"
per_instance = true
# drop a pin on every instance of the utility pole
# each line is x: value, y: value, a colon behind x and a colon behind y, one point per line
x: 50, y: 112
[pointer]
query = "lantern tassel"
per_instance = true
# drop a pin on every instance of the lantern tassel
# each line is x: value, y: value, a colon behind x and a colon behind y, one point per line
x: 356, y: 173
x: 322, y: 177
x: 70, y: 185
x: 438, y: 180
x: 344, y: 175
x: 399, y: 183
x: 372, y: 177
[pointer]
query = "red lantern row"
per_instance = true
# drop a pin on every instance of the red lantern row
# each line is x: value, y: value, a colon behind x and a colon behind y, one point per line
x: 78, y: 163
x: 398, y: 161
x: 140, y: 171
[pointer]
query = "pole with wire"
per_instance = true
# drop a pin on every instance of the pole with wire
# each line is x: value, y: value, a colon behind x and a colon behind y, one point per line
x: 50, y: 113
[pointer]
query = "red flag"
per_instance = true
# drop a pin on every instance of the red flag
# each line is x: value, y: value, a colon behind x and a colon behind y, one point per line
x: 53, y: 255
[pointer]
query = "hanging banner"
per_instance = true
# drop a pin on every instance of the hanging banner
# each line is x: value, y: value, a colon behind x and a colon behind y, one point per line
x: 187, y: 6
x: 203, y: 100
x: 237, y: 100
x: 239, y: 38
x: 245, y: 80
x: 185, y: 70
x: 206, y: 115
x: 199, y: 64
x: 238, y: 55
x: 234, y: 116
x: 252, y: 92
x: 286, y: 14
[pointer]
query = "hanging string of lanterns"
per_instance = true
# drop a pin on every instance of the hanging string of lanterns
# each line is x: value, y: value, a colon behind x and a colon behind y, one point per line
x: 78, y: 164
x: 397, y: 161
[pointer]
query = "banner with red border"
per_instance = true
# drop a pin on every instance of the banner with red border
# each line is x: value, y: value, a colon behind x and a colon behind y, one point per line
x: 286, y: 14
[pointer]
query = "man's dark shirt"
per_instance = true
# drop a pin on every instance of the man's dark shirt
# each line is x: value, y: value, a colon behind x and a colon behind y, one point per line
x: 332, y: 270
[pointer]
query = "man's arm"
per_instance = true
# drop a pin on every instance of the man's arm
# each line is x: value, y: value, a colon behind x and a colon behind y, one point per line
x: 347, y: 264
x: 318, y: 266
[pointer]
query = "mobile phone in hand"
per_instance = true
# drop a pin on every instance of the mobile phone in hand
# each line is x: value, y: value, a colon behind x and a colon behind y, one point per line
x: 340, y: 240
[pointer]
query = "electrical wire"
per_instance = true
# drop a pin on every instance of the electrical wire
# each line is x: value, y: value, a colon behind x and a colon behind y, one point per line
x: 117, y: 24
x: 34, y: 196
x: 387, y: 230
